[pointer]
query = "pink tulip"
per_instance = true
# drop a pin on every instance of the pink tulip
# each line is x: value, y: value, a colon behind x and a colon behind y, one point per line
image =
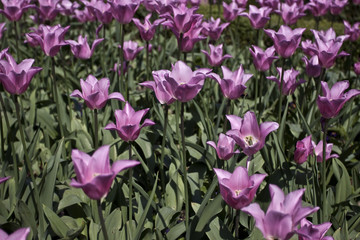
x: 20, y: 234
x: 231, y: 11
x: 248, y: 134
x: 336, y: 6
x: 304, y: 148
x: 131, y: 49
x: 289, y: 81
x: 95, y: 93
x: 4, y: 179
x: 224, y: 147
x: 318, y: 150
x: 213, y: 28
x: 263, y: 59
x: 258, y: 16
x: 48, y: 9
x: 147, y: 30
x: 14, y: 9
x: 273, y: 4
x: 357, y: 68
x: 123, y: 10
x: 93, y: 173
x: 309, y: 48
x: 318, y: 7
x: 191, y: 37
x: 100, y: 10
x: 334, y: 99
x: 291, y: 13
x: 238, y: 189
x: 309, y: 231
x: 81, y: 48
x: 313, y: 67
x: 84, y: 16
x: 2, y: 29
x: 128, y: 123
x: 241, y: 3
x: 67, y: 7
x: 215, y: 58
x: 352, y: 31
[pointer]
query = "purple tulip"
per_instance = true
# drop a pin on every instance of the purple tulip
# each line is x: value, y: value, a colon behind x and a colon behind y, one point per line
x: 291, y: 13
x: 14, y: 77
x: 81, y: 48
x: 93, y: 173
x: 20, y: 234
x: 285, y: 40
x: 224, y: 147
x: 118, y: 69
x: 84, y: 16
x: 263, y: 59
x: 213, y: 28
x: 318, y: 7
x: 289, y: 81
x: 50, y: 38
x: 4, y: 179
x: 147, y: 30
x: 67, y: 7
x: 191, y: 37
x: 357, y: 68
x: 128, y: 123
x: 356, y: 2
x: 248, y: 134
x: 241, y: 3
x: 313, y: 67
x: 336, y: 6
x: 215, y: 58
x: 231, y: 11
x: 309, y: 231
x: 14, y: 9
x: 233, y: 83
x: 48, y: 9
x: 283, y: 214
x: 273, y: 4
x: 238, y: 189
x: 131, y: 49
x: 352, y: 31
x: 304, y: 148
x: 258, y: 16
x: 318, y: 150
x: 333, y: 100
x: 309, y: 48
x: 150, y: 5
x: 95, y: 93
x: 123, y: 10
x: 182, y: 83
x: 100, y: 10
x: 2, y: 29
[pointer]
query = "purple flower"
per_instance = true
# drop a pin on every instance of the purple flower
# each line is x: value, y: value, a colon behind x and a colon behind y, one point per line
x: 81, y: 48
x: 118, y: 69
x: 48, y: 9
x: 84, y: 16
x: 224, y: 147
x: 285, y: 40
x: 14, y: 77
x: 318, y: 7
x: 283, y: 214
x: 333, y: 100
x: 357, y: 68
x: 263, y: 59
x: 123, y: 10
x: 238, y: 189
x: 291, y: 13
x: 231, y: 11
x: 131, y: 49
x: 313, y: 67
x: 20, y: 234
x: 182, y: 83
x: 215, y: 58
x: 248, y: 134
x: 352, y: 31
x: 95, y: 93
x: 100, y: 10
x: 258, y: 16
x: 289, y: 81
x: 14, y: 9
x: 356, y: 2
x: 191, y: 37
x: 159, y: 88
x: 273, y: 4
x: 50, y: 38
x: 213, y: 28
x: 147, y: 30
x: 233, y: 83
x: 128, y: 123
x: 4, y: 179
x: 309, y: 48
x: 304, y: 148
x: 2, y: 29
x: 336, y: 6
x: 67, y: 7
x: 318, y: 150
x: 309, y: 231
x: 93, y: 173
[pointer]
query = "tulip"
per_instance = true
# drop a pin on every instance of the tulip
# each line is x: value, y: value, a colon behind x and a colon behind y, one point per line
x: 191, y: 37
x: 318, y: 150
x: 50, y: 38
x: 213, y: 28
x: 84, y: 16
x: 150, y: 5
x: 289, y: 81
x: 352, y: 31
x: 290, y: 13
x: 48, y: 9
x: 14, y: 9
x: 100, y: 10
x: 309, y: 48
x: 356, y: 2
x: 285, y: 40
x: 313, y: 67
x: 4, y: 179
x: 94, y: 174
x: 273, y: 4
x: 333, y: 100
x: 241, y: 3
x: 258, y: 16
x: 131, y: 49
x: 215, y: 58
x: 2, y: 29
x: 224, y: 147
x: 263, y: 59
x: 318, y: 7
x: 128, y: 123
x: 123, y: 10
x: 147, y: 30
x: 283, y: 214
x: 231, y: 11
x: 336, y: 6
x: 81, y: 48
x: 248, y: 134
x: 238, y: 189
x: 95, y: 93
x: 304, y: 148
x: 357, y: 68
x: 309, y: 231
x: 233, y: 83
x: 14, y: 77
x: 67, y: 7
x: 20, y: 234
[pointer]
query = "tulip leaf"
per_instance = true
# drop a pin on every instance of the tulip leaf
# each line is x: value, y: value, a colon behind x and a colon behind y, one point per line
x: 218, y: 230
x: 176, y: 231
x: 163, y: 217
x: 343, y: 187
x: 57, y: 225
x: 113, y: 222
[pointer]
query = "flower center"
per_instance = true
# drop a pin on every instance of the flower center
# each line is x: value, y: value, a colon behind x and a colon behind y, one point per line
x: 250, y: 140
x: 237, y: 192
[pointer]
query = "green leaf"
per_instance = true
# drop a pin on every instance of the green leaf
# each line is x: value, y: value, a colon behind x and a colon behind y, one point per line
x: 218, y: 230
x: 163, y: 217
x: 57, y: 225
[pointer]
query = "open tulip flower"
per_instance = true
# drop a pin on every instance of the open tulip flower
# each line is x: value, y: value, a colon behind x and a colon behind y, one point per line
x: 224, y: 147
x: 215, y: 58
x: 213, y: 28
x: 128, y: 123
x: 289, y: 81
x: 309, y: 231
x: 94, y: 174
x: 191, y: 37
x: 318, y: 7
x: 147, y: 30
x: 14, y: 9
x: 283, y: 215
x: 81, y: 48
x: 285, y: 40
x: 231, y: 11
x: 248, y: 134
x: 291, y: 13
x: 131, y: 49
x: 352, y: 31
x: 258, y: 16
x: 4, y: 179
x: 309, y: 48
x: 238, y: 189
x: 100, y: 10
x: 84, y: 16
x: 263, y: 59
x: 20, y: 234
x: 304, y: 148
x: 273, y: 4
x: 318, y: 149
x: 123, y: 10
x: 48, y: 9
x: 334, y: 99
x: 313, y: 67
x: 16, y: 77
x: 95, y: 93
x: 336, y: 6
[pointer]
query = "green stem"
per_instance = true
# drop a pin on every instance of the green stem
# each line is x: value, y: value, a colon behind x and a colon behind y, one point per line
x: 166, y: 113
x: 29, y: 166
x: 147, y: 61
x: 281, y: 87
x: 323, y: 175
x: 256, y: 94
x: 17, y: 41
x: 56, y: 98
x: 237, y: 224
x: 184, y: 168
x: 227, y: 110
x: 180, y: 43
x: 120, y: 66
x: 96, y: 131
x: 102, y: 221
x: 130, y: 192
x: 261, y: 92
x: 2, y: 138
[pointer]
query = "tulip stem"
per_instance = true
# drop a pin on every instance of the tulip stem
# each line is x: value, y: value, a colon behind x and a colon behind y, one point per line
x: 237, y: 224
x: 180, y: 43
x: 102, y: 221
x: 256, y: 94
x: 17, y: 41
x: 260, y: 94
x: 166, y: 113
x: 184, y: 168
x: 120, y: 66
x: 56, y: 97
x: 130, y: 192
x: 147, y: 61
x: 323, y: 174
x: 36, y: 192
x: 227, y: 110
x: 281, y: 87
x: 2, y: 138
x: 96, y: 127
